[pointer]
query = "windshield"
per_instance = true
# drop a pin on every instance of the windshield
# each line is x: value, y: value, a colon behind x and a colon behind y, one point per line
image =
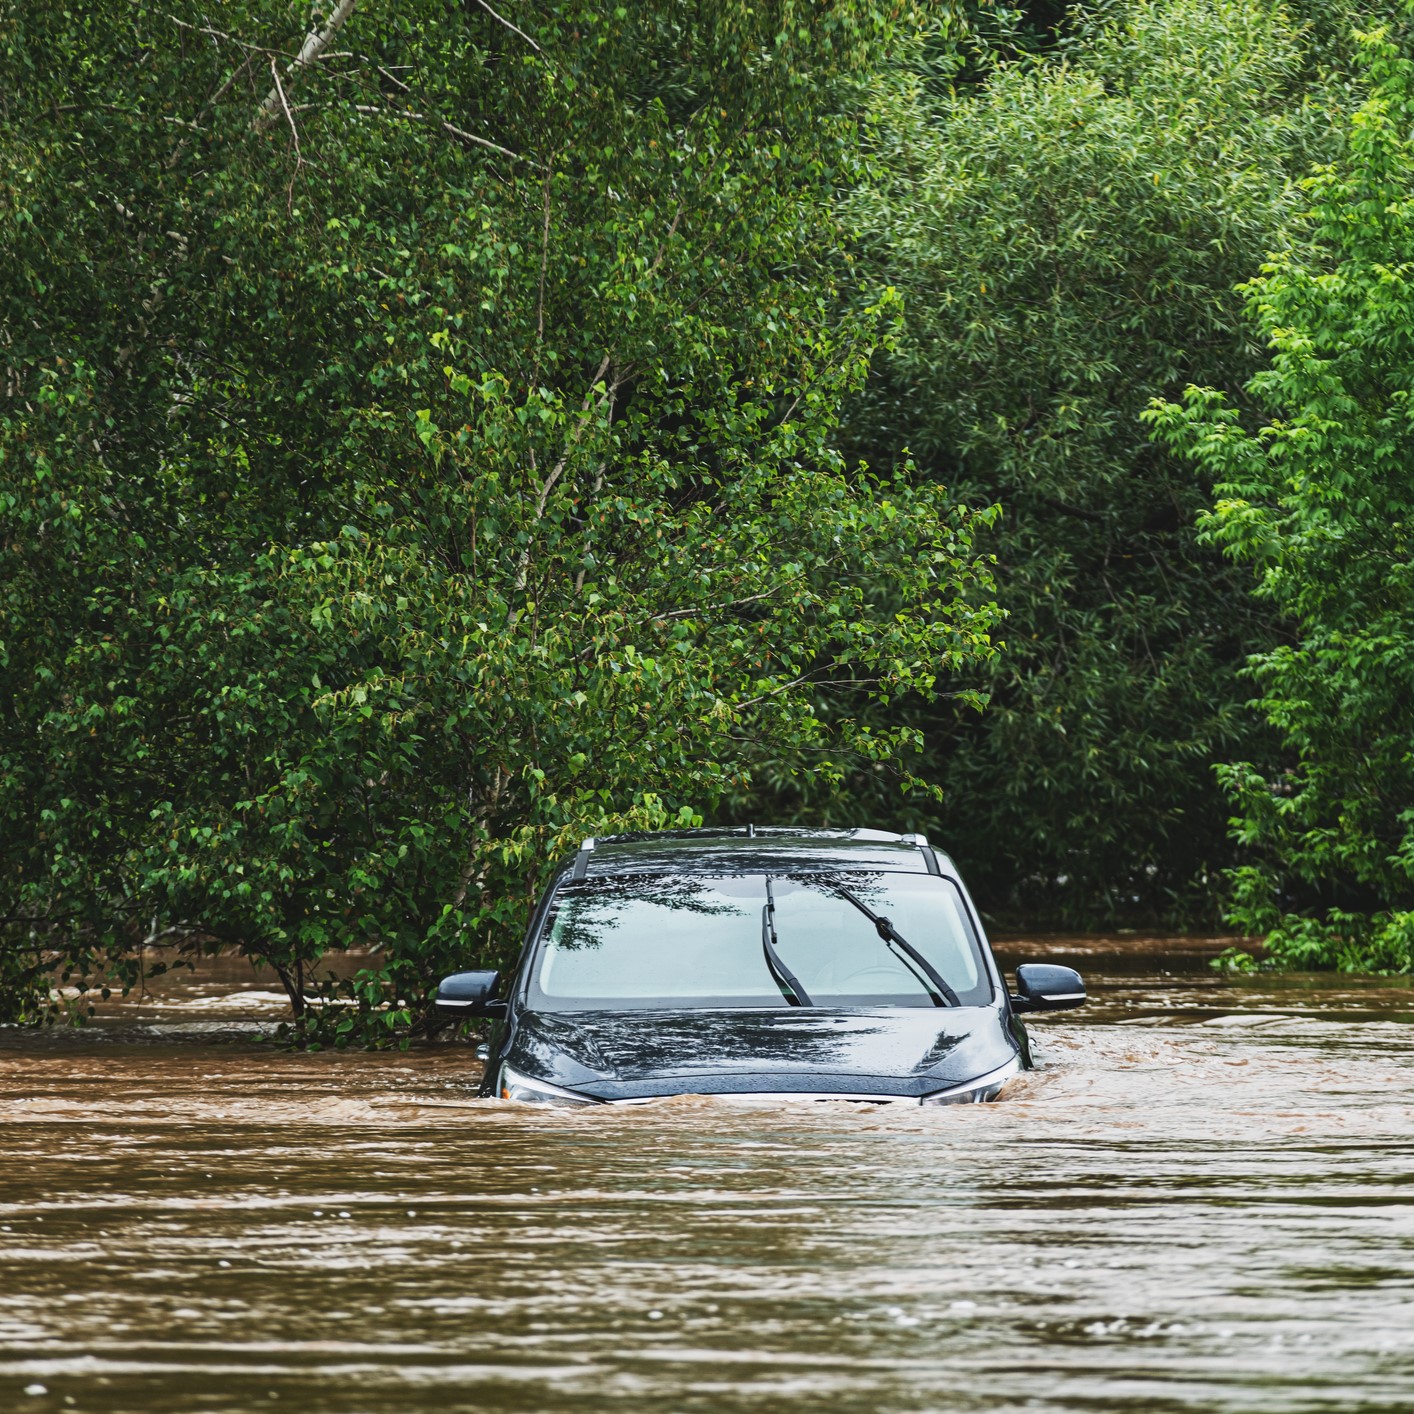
x: 752, y: 940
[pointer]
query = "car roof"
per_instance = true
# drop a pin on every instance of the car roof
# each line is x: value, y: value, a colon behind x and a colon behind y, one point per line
x: 748, y: 849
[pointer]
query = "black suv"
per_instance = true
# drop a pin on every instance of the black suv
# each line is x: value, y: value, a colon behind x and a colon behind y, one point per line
x: 773, y: 963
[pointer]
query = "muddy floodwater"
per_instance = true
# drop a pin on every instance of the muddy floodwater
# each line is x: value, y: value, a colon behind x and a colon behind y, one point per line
x: 1203, y: 1200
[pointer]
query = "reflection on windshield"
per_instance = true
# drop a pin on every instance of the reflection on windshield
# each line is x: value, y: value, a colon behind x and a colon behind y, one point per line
x: 598, y: 909
x: 834, y: 921
x: 685, y: 940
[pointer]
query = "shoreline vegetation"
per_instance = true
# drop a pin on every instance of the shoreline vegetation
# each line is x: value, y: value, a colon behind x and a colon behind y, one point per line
x: 224, y: 997
x: 430, y: 436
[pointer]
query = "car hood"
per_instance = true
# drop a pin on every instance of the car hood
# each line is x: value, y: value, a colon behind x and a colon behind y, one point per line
x: 881, y: 1050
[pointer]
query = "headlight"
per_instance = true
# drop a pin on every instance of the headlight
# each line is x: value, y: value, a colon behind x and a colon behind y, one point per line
x: 976, y: 1092
x: 515, y: 1086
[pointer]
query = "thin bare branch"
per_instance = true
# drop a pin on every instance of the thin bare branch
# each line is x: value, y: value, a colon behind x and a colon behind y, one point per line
x: 514, y: 29
x: 315, y: 43
x: 289, y: 117
x: 446, y: 127
x: 243, y: 44
x: 250, y: 51
x: 725, y: 604
x: 540, y: 294
x: 392, y: 78
x: 585, y: 414
x: 790, y: 686
x: 294, y: 131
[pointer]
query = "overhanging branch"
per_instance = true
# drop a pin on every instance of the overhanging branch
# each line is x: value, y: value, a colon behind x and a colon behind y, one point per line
x: 315, y: 43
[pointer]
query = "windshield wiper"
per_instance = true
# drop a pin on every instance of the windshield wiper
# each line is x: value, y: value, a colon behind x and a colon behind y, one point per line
x: 784, y: 978
x: 927, y: 974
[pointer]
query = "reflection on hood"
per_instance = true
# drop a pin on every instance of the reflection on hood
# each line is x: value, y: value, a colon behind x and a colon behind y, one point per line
x: 907, y: 1042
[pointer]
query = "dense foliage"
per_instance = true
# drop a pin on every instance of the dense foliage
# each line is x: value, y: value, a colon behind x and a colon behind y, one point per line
x: 417, y: 454
x: 1066, y: 235
x: 1319, y: 499
x: 433, y: 430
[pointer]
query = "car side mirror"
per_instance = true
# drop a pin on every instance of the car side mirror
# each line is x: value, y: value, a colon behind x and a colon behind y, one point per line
x: 1042, y: 986
x: 470, y: 994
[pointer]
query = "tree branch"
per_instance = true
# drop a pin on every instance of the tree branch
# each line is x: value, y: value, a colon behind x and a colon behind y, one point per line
x: 294, y: 133
x: 501, y: 19
x: 725, y: 604
x: 235, y: 39
x: 289, y: 117
x: 315, y: 43
x: 446, y: 128
x: 544, y: 259
x: 585, y: 412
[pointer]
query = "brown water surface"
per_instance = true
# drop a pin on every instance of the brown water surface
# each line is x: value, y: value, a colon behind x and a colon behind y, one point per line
x: 1203, y: 1200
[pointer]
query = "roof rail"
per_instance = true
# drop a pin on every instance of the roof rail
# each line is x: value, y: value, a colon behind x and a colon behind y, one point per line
x: 581, y: 860
x: 920, y: 842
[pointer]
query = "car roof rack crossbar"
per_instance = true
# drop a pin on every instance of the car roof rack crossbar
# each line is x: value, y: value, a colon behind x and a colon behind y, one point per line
x: 581, y: 860
x: 920, y: 842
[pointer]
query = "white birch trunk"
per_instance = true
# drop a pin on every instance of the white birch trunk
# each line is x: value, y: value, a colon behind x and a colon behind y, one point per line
x: 315, y: 43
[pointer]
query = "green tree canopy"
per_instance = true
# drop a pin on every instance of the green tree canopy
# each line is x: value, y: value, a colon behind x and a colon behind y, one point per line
x: 417, y: 451
x: 1066, y: 234
x: 1318, y: 498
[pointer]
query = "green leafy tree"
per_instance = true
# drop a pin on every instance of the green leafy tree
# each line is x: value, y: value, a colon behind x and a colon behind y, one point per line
x: 1318, y: 498
x: 1066, y: 234
x: 417, y: 451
